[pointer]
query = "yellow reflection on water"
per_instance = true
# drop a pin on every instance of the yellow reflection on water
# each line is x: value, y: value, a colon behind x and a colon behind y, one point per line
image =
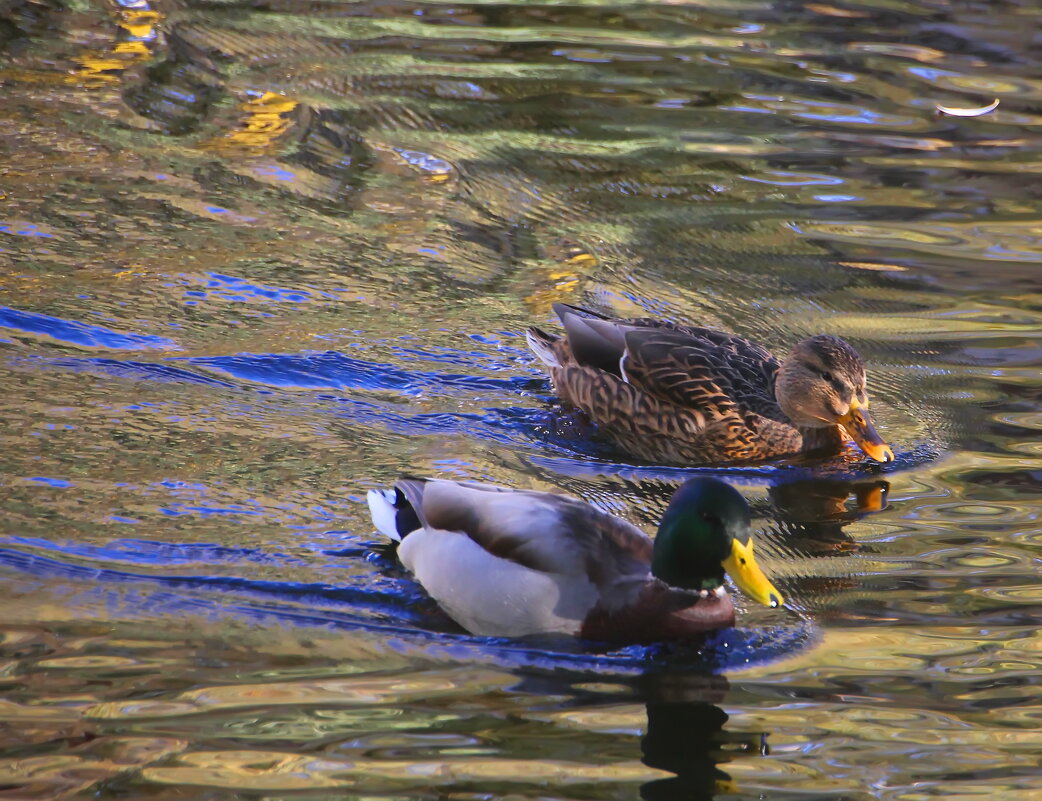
x: 273, y: 770
x: 393, y: 689
x: 265, y: 118
x: 136, y: 31
x: 994, y: 241
x: 101, y: 759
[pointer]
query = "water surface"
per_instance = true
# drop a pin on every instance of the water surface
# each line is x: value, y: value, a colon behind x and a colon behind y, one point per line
x: 261, y: 257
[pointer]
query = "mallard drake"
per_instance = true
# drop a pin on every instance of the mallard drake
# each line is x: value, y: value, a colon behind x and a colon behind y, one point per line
x: 687, y: 395
x: 509, y: 563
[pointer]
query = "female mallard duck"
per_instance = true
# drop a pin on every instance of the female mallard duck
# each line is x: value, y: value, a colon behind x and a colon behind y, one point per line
x: 689, y: 395
x: 508, y: 563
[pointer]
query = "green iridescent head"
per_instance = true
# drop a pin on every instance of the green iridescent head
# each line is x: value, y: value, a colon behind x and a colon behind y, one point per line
x: 704, y: 534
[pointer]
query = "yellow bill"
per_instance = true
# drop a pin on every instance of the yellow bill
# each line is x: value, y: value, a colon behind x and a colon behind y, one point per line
x: 859, y: 426
x: 742, y: 567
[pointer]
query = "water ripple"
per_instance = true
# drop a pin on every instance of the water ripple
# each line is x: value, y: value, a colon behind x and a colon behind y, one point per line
x: 260, y: 258
x: 84, y: 335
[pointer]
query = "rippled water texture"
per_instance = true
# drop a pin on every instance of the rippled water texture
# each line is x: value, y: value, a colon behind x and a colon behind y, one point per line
x: 259, y: 257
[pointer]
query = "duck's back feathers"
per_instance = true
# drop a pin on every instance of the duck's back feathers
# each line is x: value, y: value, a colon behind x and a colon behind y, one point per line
x: 702, y: 369
x: 507, y: 562
x: 664, y: 391
x: 536, y: 530
x: 594, y: 341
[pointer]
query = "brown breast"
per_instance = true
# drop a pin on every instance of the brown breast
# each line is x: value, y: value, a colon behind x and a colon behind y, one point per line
x: 660, y: 613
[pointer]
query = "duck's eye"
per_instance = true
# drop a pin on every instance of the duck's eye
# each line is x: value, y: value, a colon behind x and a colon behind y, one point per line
x: 826, y: 376
x: 709, y: 517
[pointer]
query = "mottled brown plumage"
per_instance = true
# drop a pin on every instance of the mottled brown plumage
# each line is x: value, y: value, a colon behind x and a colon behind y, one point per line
x: 690, y: 395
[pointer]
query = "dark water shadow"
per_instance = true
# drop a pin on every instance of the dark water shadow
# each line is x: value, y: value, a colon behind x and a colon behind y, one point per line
x: 685, y: 734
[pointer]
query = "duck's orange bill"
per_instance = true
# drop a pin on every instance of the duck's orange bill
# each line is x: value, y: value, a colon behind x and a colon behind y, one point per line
x: 859, y: 426
x: 742, y: 567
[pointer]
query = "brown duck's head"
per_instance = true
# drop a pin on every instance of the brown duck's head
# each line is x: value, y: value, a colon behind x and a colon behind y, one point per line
x: 822, y: 383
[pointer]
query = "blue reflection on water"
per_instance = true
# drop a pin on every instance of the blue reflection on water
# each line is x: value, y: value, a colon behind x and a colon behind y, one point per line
x: 398, y: 612
x: 149, y: 552
x: 274, y: 171
x: 23, y: 229
x: 52, y: 482
x: 179, y: 509
x: 77, y: 333
x: 130, y: 370
x: 335, y: 370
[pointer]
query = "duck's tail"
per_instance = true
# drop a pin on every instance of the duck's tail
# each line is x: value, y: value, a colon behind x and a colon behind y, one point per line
x: 383, y: 512
x: 542, y: 345
x: 392, y: 514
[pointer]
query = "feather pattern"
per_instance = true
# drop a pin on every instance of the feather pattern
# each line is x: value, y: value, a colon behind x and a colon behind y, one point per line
x: 505, y: 562
x: 681, y: 394
x: 537, y: 530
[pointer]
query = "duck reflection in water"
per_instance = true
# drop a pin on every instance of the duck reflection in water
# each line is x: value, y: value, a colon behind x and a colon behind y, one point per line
x: 806, y: 512
x: 822, y: 503
x: 686, y: 736
x: 685, y: 732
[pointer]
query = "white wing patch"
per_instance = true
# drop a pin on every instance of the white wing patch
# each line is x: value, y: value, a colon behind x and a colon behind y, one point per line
x: 622, y: 368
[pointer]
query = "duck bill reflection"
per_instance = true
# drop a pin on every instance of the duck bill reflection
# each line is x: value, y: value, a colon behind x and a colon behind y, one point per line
x: 858, y: 426
x: 741, y: 566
